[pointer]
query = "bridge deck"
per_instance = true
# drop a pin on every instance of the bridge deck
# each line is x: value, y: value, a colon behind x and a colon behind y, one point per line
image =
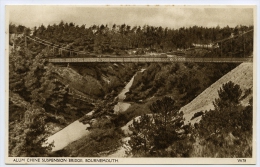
x: 147, y: 59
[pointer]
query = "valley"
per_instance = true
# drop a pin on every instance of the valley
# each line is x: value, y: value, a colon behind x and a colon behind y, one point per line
x: 118, y: 109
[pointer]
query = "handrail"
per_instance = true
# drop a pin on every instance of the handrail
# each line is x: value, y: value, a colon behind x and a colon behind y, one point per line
x: 153, y: 59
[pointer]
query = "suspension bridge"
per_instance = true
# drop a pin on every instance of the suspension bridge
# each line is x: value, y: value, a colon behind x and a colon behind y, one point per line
x: 55, y: 53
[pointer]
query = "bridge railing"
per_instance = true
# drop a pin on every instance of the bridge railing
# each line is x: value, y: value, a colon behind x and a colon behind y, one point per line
x: 151, y: 59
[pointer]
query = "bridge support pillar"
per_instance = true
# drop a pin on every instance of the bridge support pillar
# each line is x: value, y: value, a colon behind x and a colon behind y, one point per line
x: 68, y: 65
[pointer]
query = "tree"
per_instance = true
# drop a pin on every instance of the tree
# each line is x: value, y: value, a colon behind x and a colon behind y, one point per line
x: 167, y: 120
x: 30, y: 136
x: 153, y: 134
x: 229, y: 96
x: 224, y: 119
x: 12, y: 28
x: 141, y: 142
x: 228, y: 128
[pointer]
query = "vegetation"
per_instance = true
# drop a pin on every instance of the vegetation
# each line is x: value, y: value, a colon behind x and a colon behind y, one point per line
x: 124, y: 39
x: 38, y: 86
x: 229, y: 124
x: 35, y: 82
x: 182, y: 81
x: 223, y: 132
x: 152, y: 134
x: 103, y: 138
x: 39, y: 95
x: 29, y: 136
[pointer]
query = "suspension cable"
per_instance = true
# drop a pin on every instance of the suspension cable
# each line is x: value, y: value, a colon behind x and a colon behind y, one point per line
x: 52, y: 45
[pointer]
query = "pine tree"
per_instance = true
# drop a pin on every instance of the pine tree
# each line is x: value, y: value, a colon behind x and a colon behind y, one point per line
x: 168, y: 122
x: 229, y: 96
x: 224, y: 118
x: 153, y: 134
x: 141, y: 142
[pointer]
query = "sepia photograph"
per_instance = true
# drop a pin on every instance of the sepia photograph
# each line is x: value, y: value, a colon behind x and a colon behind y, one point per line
x: 130, y: 84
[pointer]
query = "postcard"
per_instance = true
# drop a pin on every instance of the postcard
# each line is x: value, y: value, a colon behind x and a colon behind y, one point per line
x: 130, y: 84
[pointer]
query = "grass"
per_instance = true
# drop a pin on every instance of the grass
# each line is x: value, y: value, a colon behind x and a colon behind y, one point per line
x: 241, y: 148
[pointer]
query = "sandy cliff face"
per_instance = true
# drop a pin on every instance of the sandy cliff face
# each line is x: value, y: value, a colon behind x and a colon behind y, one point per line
x: 241, y: 75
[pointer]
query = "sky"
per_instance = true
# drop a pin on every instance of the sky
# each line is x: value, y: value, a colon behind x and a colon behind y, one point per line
x: 165, y: 16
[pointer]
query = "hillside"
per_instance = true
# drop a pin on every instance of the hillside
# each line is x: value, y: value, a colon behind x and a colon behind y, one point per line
x: 241, y: 75
x: 85, y: 84
x: 55, y: 95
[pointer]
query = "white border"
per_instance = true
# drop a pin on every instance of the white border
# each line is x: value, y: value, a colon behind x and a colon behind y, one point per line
x: 99, y: 2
